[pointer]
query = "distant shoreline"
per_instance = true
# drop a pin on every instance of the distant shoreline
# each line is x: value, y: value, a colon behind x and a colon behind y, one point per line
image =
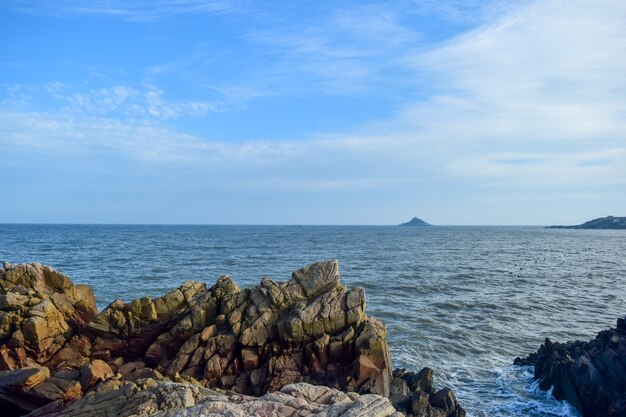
x: 602, y: 223
x: 544, y: 226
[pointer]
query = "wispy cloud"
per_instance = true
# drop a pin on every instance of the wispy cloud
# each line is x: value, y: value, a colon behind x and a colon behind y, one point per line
x: 117, y: 100
x: 562, y: 169
x: 548, y: 71
x: 68, y: 134
x: 12, y: 65
x: 137, y: 10
x: 535, y: 96
x: 344, y: 50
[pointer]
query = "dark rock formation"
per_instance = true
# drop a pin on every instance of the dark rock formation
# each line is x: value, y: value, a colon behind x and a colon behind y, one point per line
x: 415, y: 222
x: 608, y: 222
x: 312, y: 329
x: 589, y: 375
x: 413, y: 394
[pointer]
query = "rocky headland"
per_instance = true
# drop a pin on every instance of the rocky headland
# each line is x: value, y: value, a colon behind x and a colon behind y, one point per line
x: 300, y: 347
x: 589, y: 375
x: 609, y: 222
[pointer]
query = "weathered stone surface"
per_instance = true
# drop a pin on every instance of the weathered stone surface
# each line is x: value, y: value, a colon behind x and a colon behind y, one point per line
x: 168, y: 399
x: 590, y: 375
x: 248, y: 341
x: 413, y: 394
x: 93, y: 373
x: 29, y: 388
x: 40, y: 310
x: 310, y: 328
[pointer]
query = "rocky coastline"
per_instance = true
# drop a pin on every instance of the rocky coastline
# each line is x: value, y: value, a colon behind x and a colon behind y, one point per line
x: 301, y: 347
x: 609, y: 222
x: 589, y: 375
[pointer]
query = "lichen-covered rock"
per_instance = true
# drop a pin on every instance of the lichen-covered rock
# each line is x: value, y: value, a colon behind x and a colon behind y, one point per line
x: 168, y: 399
x: 589, y: 375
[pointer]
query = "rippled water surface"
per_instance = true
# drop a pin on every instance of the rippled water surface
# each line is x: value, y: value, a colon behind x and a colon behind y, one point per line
x: 463, y: 300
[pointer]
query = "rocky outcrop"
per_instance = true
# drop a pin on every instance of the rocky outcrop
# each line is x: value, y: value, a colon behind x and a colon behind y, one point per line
x: 40, y: 310
x: 609, y: 222
x: 167, y: 399
x: 413, y: 394
x: 415, y: 222
x: 589, y: 375
x: 311, y: 329
x: 255, y: 340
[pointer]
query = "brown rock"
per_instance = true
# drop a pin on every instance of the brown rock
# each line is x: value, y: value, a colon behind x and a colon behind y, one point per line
x: 24, y: 379
x: 40, y: 310
x: 129, y: 367
x: 208, y: 332
x: 253, y: 340
x: 17, y: 388
x: 94, y: 372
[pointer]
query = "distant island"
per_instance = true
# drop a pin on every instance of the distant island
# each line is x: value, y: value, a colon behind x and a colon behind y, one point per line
x: 415, y: 222
x: 608, y: 222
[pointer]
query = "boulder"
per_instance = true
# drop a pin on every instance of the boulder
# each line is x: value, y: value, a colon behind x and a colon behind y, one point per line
x: 414, y: 395
x: 589, y: 375
x: 26, y: 389
x: 94, y: 372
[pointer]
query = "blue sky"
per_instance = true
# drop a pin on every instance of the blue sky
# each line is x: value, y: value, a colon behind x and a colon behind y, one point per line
x: 254, y: 112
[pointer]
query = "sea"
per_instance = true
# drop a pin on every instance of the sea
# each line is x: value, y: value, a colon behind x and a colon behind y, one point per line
x: 464, y: 301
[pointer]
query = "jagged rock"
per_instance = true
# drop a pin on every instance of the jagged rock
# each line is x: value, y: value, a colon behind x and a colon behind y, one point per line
x: 40, y: 310
x: 589, y: 375
x: 399, y: 394
x: 413, y: 393
x: 310, y: 328
x: 445, y: 400
x: 248, y: 341
x: 421, y: 381
x: 168, y: 399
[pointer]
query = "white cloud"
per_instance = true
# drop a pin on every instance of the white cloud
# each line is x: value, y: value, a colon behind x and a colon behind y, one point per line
x: 343, y: 50
x: 131, y: 102
x: 536, y: 96
x: 552, y: 70
x: 561, y: 169
x: 137, y: 10
x: 75, y: 135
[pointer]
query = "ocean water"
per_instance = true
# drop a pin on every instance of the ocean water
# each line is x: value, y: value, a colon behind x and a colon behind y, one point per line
x: 463, y: 300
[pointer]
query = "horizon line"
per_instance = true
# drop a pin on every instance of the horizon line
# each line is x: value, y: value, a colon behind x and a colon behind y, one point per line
x: 264, y: 224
